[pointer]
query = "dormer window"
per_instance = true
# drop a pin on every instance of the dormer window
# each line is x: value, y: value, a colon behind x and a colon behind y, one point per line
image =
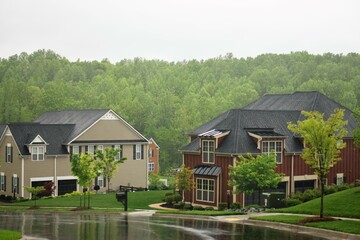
x: 269, y: 147
x: 37, y: 153
x: 208, y: 151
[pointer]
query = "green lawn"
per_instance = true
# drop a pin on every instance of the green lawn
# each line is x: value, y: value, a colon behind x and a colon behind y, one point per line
x: 341, y: 204
x: 198, y: 212
x: 9, y: 235
x: 137, y: 200
x: 339, y: 225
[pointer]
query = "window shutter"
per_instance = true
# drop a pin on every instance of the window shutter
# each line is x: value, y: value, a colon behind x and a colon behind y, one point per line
x: 94, y: 150
x: 96, y: 181
x: 71, y: 152
x: 113, y: 146
x: 344, y: 179
x: 142, y: 151
x: 104, y: 181
x: 4, y: 183
x: 17, y: 185
x: 335, y: 180
x: 134, y: 152
x: 6, y: 154
x: 11, y: 154
x: 80, y: 150
x: 12, y: 184
x: 86, y: 149
x: 121, y: 151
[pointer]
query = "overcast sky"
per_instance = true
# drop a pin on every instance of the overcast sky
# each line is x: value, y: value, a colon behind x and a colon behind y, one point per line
x: 176, y: 30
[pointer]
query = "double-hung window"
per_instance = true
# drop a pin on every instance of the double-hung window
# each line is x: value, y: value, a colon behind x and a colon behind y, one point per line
x: 9, y: 153
x: 15, y: 184
x: 205, y: 190
x: 151, y: 166
x: 273, y: 147
x: 76, y: 150
x: 2, y: 182
x: 208, y: 151
x: 138, y: 152
x: 37, y: 153
x: 119, y: 154
x: 100, y: 148
x: 91, y: 149
x: 100, y: 181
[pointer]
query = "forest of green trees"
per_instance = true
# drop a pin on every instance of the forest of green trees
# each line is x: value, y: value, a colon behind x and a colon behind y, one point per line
x: 165, y: 100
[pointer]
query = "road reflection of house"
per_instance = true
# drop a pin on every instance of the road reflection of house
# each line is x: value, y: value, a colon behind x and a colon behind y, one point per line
x: 34, y: 153
x: 258, y: 128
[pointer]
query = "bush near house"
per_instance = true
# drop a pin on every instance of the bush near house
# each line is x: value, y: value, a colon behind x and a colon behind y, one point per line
x: 310, y: 194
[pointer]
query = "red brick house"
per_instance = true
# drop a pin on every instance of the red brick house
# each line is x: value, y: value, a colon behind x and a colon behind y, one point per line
x: 153, y: 164
x: 258, y: 128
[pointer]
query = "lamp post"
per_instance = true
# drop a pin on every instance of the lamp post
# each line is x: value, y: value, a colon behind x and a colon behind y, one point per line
x: 228, y: 198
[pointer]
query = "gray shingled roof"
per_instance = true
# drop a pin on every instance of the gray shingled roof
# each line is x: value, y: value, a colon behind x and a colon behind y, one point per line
x: 53, y: 134
x: 308, y: 101
x: 81, y: 118
x: 271, y: 112
x: 2, y: 129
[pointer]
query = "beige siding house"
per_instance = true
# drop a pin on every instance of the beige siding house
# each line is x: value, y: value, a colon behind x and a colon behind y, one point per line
x: 32, y: 154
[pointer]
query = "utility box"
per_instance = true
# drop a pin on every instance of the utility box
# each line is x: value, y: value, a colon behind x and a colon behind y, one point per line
x: 276, y: 200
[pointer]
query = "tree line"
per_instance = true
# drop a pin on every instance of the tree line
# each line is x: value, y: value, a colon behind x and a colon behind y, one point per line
x: 165, y: 100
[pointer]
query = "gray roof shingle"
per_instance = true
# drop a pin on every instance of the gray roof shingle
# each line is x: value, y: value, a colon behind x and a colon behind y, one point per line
x: 271, y: 112
x: 53, y: 134
x: 82, y: 119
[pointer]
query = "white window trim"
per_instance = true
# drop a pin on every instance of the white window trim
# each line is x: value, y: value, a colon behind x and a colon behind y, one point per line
x: 138, y: 152
x: 91, y: 147
x: 100, y: 181
x: 100, y: 148
x: 76, y: 150
x: 339, y: 178
x: 2, y: 182
x: 205, y: 190
x: 151, y: 166
x: 269, y: 152
x: 8, y: 153
x: 208, y: 152
x: 37, y: 153
x: 118, y: 147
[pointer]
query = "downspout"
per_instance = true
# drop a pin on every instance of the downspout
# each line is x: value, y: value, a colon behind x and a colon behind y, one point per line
x: 234, y: 188
x: 55, y: 176
x: 292, y: 183
x: 22, y: 175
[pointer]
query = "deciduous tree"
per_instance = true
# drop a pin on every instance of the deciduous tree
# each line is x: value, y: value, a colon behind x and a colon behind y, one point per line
x: 254, y: 173
x: 323, y: 140
x: 108, y: 163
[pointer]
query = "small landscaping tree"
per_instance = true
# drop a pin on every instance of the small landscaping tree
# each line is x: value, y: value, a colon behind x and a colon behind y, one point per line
x: 108, y: 163
x: 85, y: 167
x: 250, y: 174
x: 184, y: 181
x: 323, y: 140
x: 34, y: 192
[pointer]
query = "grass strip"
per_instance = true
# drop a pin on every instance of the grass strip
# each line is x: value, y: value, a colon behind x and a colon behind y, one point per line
x: 199, y: 212
x: 9, y: 235
x: 345, y: 226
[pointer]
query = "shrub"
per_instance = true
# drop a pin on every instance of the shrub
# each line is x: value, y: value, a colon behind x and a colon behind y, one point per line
x: 169, y: 199
x: 200, y: 208
x: 2, y: 197
x: 310, y: 195
x: 179, y: 205
x: 344, y: 186
x: 209, y: 209
x: 331, y: 189
x: 9, y: 198
x: 188, y: 206
x: 74, y: 193
x: 222, y: 206
x: 289, y: 202
x: 177, y: 197
x: 235, y: 205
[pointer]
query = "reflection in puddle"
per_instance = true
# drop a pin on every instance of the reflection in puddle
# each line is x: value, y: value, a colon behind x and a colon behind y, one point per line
x: 102, y: 226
